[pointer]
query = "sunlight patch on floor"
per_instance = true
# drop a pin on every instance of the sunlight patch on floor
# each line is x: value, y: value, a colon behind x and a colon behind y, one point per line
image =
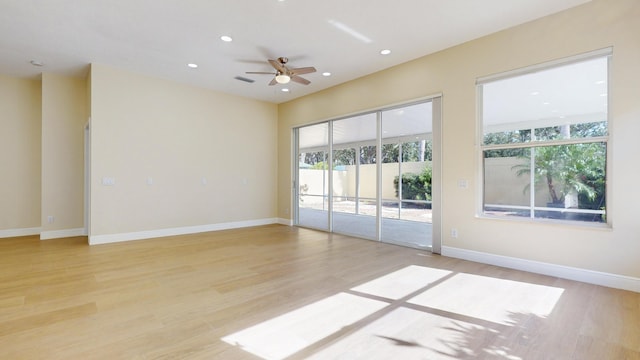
x: 489, y: 298
x: 479, y: 308
x: 408, y: 334
x: 403, y: 282
x: 287, y: 334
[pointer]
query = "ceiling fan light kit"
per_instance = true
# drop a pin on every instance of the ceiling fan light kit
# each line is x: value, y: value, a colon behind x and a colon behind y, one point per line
x: 283, y: 74
x: 282, y: 79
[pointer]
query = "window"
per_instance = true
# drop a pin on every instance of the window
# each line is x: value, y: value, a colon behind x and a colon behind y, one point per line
x: 544, y: 141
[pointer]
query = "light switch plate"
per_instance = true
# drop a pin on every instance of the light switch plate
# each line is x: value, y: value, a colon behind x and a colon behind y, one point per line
x: 108, y: 181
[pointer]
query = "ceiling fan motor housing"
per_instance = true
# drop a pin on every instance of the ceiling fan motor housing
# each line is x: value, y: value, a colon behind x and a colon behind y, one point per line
x: 284, y: 74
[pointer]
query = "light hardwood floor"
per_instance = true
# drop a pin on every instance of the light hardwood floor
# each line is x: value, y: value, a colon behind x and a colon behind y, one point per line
x: 286, y: 292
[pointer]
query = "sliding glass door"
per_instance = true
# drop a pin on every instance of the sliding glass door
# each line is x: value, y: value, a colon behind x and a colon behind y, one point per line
x: 313, y: 177
x: 371, y: 175
x: 407, y: 175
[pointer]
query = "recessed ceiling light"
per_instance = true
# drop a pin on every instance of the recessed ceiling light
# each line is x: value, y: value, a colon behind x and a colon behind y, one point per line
x: 385, y: 52
x: 599, y: 82
x: 546, y: 103
x: 284, y: 90
x: 603, y: 94
x: 36, y: 63
x: 326, y: 73
x: 535, y: 93
x: 226, y: 38
x: 192, y: 65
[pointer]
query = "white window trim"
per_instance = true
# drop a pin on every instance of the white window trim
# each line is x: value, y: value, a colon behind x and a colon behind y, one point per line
x: 481, y: 147
x: 546, y: 65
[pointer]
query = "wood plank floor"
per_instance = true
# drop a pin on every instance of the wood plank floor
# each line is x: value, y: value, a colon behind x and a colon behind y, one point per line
x: 283, y: 292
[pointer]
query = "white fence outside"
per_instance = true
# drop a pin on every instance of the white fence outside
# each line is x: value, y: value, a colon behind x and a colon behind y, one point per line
x: 344, y: 181
x: 502, y: 186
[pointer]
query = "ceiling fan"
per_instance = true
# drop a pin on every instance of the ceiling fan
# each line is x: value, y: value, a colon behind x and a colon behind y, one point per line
x: 283, y: 74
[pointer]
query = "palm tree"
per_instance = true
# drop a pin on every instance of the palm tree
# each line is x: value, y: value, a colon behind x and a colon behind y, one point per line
x: 566, y: 170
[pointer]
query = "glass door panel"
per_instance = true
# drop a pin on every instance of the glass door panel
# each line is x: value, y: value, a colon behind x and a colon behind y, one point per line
x: 406, y: 175
x: 354, y: 176
x: 313, y: 177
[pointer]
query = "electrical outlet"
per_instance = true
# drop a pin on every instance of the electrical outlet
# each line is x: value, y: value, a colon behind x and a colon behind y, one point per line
x: 51, y: 219
x: 454, y: 233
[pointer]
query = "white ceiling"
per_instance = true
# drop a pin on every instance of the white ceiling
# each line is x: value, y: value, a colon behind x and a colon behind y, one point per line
x: 160, y: 37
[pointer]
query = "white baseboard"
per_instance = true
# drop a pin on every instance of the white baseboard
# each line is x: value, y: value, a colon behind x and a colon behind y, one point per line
x: 56, y: 234
x: 287, y: 222
x: 565, y: 272
x: 149, y: 234
x: 19, y: 232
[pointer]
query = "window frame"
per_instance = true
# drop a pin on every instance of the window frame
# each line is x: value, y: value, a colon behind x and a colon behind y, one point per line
x: 532, y: 143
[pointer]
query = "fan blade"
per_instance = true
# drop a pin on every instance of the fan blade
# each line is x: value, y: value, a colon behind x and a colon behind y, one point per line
x: 273, y: 82
x: 276, y: 65
x: 260, y: 72
x: 300, y: 80
x: 303, y: 70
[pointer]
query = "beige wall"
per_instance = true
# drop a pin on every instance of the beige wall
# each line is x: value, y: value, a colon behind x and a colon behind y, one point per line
x: 453, y: 72
x: 64, y: 116
x: 19, y: 153
x: 145, y: 129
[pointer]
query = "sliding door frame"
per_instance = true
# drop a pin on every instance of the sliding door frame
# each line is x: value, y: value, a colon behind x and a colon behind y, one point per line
x: 436, y: 178
x: 436, y: 190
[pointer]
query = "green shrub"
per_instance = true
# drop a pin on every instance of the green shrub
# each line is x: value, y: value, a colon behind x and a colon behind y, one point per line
x: 415, y: 186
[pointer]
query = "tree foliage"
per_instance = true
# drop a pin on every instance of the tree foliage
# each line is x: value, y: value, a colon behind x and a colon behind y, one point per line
x: 506, y: 137
x: 566, y: 168
x: 411, y: 151
x: 344, y: 156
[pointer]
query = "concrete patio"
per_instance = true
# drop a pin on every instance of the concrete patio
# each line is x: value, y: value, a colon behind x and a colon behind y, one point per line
x: 411, y: 233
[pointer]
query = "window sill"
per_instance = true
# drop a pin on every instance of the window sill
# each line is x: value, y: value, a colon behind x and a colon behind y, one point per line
x: 553, y: 222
